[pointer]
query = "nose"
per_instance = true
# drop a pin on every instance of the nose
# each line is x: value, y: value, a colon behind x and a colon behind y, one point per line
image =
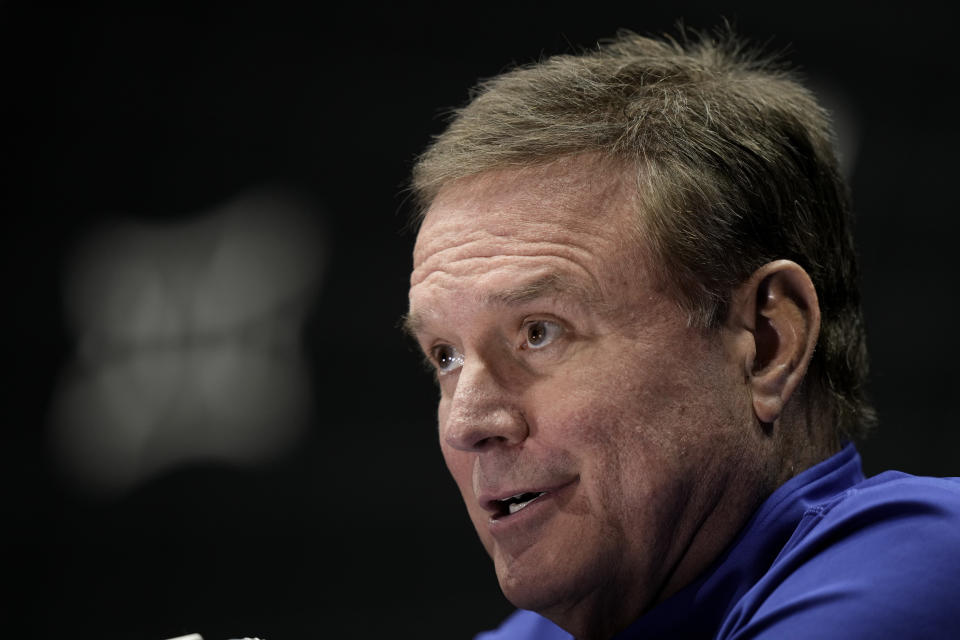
x: 483, y: 412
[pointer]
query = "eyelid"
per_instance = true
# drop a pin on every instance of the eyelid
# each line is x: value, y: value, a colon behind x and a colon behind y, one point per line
x: 434, y: 358
x: 559, y: 330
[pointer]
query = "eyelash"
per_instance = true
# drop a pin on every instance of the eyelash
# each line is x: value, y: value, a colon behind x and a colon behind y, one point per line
x: 552, y: 331
x: 435, y: 358
x: 549, y: 326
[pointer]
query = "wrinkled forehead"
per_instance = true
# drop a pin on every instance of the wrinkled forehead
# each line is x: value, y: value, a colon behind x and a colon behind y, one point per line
x: 570, y: 199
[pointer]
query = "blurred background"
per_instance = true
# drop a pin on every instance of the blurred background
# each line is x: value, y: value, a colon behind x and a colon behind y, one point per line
x: 214, y: 424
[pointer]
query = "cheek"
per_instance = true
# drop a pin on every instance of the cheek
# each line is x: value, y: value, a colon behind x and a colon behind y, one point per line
x: 593, y: 430
x: 625, y: 427
x: 443, y: 410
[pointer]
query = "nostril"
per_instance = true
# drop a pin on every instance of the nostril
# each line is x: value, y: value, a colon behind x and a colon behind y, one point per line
x: 488, y: 442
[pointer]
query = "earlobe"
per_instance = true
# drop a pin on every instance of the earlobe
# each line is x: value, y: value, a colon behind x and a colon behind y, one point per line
x: 778, y: 309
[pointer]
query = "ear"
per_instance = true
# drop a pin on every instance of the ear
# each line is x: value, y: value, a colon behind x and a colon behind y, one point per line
x: 777, y: 318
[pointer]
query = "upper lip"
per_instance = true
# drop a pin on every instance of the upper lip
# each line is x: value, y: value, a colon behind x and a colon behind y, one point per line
x: 491, y: 500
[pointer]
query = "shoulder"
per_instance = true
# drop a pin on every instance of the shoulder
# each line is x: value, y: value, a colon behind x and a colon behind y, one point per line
x: 900, y: 516
x: 881, y: 559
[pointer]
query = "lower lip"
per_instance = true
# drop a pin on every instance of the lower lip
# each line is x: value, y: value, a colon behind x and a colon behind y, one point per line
x: 531, y: 514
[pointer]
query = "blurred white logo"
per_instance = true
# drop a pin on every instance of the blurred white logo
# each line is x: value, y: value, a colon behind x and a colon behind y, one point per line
x: 188, y: 342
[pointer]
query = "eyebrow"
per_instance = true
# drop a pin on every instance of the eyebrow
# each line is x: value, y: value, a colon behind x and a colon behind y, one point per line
x: 549, y: 285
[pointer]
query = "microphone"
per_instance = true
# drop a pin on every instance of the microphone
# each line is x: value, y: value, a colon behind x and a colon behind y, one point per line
x: 197, y: 636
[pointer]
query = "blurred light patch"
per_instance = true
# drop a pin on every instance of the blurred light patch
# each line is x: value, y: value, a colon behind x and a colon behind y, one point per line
x: 188, y: 342
x: 845, y: 119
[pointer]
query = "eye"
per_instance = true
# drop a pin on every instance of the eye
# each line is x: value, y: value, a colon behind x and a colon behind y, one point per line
x: 446, y: 358
x: 540, y: 333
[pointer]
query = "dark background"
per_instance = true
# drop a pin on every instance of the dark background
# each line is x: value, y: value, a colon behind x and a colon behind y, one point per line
x: 158, y: 112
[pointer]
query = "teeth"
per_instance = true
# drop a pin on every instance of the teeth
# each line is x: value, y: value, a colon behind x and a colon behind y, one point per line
x: 513, y: 507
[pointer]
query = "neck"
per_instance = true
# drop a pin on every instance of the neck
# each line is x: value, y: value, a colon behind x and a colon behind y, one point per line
x: 735, y: 496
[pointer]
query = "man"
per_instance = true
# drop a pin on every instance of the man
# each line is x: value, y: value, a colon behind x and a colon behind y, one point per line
x: 635, y: 280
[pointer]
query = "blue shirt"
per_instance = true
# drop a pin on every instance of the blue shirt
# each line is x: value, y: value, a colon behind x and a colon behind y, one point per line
x: 828, y: 555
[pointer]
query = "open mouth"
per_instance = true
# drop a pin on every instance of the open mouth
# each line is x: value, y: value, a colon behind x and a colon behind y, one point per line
x: 513, y: 504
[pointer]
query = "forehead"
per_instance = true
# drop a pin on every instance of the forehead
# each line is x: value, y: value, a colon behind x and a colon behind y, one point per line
x: 571, y: 206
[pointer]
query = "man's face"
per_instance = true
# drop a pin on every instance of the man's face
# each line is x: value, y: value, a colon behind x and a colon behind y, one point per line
x: 597, y: 440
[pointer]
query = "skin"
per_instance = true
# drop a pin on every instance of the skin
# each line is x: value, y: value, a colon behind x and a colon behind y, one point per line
x: 563, y: 368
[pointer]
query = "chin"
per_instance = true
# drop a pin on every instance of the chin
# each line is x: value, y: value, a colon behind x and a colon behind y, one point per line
x: 535, y: 588
x: 533, y: 597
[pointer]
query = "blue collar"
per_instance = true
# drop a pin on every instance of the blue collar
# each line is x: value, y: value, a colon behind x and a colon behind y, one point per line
x: 750, y: 555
